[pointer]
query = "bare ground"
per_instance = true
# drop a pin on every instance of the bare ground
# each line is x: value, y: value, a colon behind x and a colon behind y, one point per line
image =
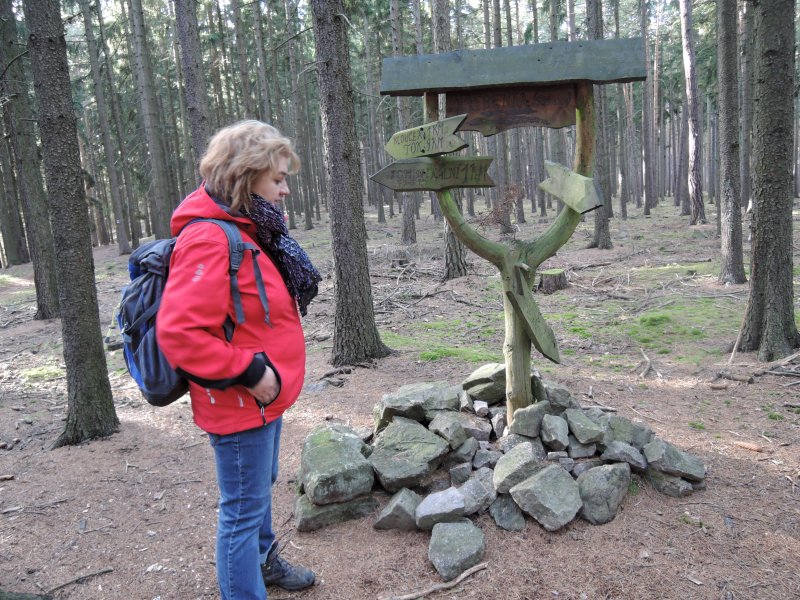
x: 133, y: 516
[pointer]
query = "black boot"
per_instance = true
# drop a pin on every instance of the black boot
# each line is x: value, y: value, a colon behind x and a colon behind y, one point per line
x: 278, y: 571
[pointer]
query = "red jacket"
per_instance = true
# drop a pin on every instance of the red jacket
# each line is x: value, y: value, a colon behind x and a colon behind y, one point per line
x: 195, y: 304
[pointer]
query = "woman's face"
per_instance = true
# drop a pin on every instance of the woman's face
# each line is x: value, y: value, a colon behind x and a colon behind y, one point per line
x: 271, y: 185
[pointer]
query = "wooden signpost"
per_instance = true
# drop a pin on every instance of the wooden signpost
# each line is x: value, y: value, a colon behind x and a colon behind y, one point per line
x: 426, y: 140
x: 491, y: 91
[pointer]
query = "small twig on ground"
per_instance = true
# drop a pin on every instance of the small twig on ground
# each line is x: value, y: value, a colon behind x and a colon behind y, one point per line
x: 602, y: 407
x: 734, y: 377
x: 648, y: 366
x: 80, y: 579
x: 648, y: 417
x: 439, y: 586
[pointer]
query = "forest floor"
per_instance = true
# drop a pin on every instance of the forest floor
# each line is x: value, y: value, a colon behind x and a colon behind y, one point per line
x: 133, y: 516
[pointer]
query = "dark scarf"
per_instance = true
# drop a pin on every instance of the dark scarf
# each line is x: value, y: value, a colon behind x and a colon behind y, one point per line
x: 298, y: 273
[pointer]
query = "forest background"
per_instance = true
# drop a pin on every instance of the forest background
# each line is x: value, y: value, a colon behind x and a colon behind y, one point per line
x: 148, y: 82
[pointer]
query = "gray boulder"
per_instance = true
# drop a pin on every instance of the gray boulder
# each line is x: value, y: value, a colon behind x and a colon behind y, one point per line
x: 507, y: 442
x: 440, y: 507
x: 414, y: 400
x: 487, y: 383
x: 551, y: 496
x: 582, y: 427
x: 404, y: 453
x: 578, y: 450
x: 447, y: 425
x: 475, y: 426
x: 481, y: 408
x: 309, y: 516
x: 622, y: 429
x: 460, y: 473
x: 668, y: 459
x: 566, y: 463
x: 669, y: 484
x: 554, y: 432
x: 486, y: 458
x: 559, y: 397
x: 464, y: 453
x: 455, y: 547
x: 400, y: 512
x: 517, y: 465
x: 478, y: 491
x: 622, y: 452
x: 602, y: 491
x: 465, y: 402
x: 506, y: 514
x: 528, y: 421
x: 597, y: 415
x: 333, y: 467
x: 499, y: 422
x: 582, y: 466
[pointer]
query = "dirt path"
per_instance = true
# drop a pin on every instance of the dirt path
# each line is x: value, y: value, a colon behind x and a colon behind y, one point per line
x: 136, y: 512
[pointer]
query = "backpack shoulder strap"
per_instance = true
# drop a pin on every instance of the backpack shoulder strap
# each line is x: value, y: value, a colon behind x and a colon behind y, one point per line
x: 237, y: 248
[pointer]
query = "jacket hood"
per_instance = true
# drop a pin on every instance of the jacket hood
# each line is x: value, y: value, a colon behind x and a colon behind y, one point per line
x: 201, y: 205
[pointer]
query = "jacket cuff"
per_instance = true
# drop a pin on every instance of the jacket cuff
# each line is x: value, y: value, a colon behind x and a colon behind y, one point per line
x: 254, y: 371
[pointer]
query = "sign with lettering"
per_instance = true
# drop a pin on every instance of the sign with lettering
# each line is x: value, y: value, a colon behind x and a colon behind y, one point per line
x: 576, y: 191
x: 436, y: 174
x: 495, y: 110
x: 426, y: 140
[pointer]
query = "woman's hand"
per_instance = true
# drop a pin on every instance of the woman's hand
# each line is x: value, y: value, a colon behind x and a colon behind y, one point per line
x: 267, y: 388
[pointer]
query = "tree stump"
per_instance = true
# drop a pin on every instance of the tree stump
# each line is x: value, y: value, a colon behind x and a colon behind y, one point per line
x: 552, y: 280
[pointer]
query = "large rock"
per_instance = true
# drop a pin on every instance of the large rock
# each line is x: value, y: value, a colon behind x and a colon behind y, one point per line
x: 507, y: 442
x: 554, y: 432
x: 528, y: 421
x: 582, y: 427
x: 464, y: 453
x: 447, y: 425
x: 602, y: 491
x: 333, y: 467
x: 506, y: 514
x: 622, y: 429
x: 440, y: 507
x: 578, y: 450
x: 559, y: 397
x: 621, y: 452
x: 475, y: 426
x: 454, y: 548
x: 460, y: 473
x: 414, y: 400
x: 487, y: 383
x: 582, y: 466
x: 478, y: 491
x: 668, y: 459
x: 517, y: 465
x: 308, y: 516
x: 669, y: 484
x: 551, y: 496
x: 400, y: 512
x: 404, y: 453
x: 486, y: 458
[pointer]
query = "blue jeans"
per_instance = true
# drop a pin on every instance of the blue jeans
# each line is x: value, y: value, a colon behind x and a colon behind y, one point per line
x: 247, y: 466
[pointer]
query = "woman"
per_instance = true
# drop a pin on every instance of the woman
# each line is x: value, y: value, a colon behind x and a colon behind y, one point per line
x: 240, y: 386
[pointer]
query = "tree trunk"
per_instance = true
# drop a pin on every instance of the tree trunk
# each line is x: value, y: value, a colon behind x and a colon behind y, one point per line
x: 241, y: 57
x: 265, y: 112
x: 193, y: 77
x: 355, y: 336
x: 682, y: 170
x: 19, y: 120
x: 90, y: 411
x: 455, y: 262
x: 731, y: 258
x: 746, y: 95
x: 14, y: 242
x: 120, y: 215
x: 161, y: 205
x: 602, y: 232
x: 215, y: 69
x: 695, y: 148
x: 647, y: 122
x: 769, y: 324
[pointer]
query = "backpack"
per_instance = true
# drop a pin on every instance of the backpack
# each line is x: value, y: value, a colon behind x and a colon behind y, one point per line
x: 148, y: 267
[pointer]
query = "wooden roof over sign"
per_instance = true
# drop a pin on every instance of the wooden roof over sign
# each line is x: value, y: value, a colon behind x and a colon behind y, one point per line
x: 597, y: 61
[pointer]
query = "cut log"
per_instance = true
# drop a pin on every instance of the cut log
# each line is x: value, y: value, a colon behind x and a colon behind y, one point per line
x: 552, y: 280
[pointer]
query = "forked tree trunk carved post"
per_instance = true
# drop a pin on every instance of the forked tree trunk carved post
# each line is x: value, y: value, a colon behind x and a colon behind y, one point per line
x: 518, y: 262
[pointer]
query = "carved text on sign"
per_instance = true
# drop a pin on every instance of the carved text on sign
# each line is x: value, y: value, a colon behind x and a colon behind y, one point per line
x: 429, y: 139
x: 495, y: 110
x: 442, y: 173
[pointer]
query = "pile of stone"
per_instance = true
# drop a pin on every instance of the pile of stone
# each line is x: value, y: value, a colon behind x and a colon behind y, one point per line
x: 446, y: 453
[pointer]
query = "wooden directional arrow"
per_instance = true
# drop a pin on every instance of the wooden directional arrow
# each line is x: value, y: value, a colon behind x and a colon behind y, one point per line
x: 437, y: 174
x: 426, y: 140
x: 533, y: 322
x: 576, y: 191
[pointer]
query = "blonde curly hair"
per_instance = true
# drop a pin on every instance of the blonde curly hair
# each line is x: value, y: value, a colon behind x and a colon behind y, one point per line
x: 238, y: 154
